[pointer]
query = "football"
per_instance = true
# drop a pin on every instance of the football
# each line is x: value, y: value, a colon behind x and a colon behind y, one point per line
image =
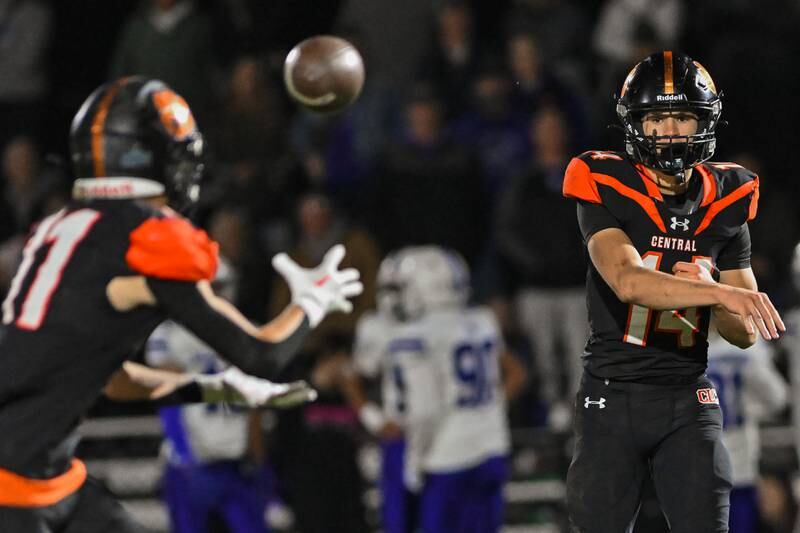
x: 324, y: 73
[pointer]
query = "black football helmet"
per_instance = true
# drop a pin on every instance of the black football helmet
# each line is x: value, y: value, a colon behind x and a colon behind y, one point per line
x: 669, y: 81
x: 136, y: 137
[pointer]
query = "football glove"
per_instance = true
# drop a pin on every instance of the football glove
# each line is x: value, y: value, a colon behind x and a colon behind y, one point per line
x: 321, y: 290
x: 237, y: 388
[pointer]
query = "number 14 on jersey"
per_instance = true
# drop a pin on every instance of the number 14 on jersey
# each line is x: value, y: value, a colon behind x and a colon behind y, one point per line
x: 682, y: 324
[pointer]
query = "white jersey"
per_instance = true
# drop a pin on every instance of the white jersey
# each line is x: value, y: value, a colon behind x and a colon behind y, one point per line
x: 441, y: 383
x: 195, y: 433
x: 749, y: 388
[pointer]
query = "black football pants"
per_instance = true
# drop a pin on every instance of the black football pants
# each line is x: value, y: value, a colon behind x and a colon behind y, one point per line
x: 92, y: 509
x: 627, y: 431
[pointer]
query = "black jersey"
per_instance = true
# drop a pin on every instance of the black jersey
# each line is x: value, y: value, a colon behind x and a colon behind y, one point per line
x: 62, y: 340
x: 707, y: 224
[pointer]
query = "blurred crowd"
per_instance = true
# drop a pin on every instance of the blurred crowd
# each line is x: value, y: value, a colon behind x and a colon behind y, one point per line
x: 470, y: 112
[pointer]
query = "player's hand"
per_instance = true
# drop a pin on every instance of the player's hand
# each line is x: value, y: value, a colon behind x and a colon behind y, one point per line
x: 323, y: 289
x: 235, y: 387
x: 693, y: 271
x: 755, y: 308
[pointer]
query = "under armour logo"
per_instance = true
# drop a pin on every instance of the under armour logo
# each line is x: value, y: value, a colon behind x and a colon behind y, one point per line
x: 600, y: 403
x: 684, y: 225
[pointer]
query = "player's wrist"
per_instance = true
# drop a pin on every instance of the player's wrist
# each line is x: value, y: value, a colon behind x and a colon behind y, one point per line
x: 312, y: 307
x: 719, y: 293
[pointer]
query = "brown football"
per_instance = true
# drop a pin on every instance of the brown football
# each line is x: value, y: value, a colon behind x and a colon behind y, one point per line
x: 324, y: 73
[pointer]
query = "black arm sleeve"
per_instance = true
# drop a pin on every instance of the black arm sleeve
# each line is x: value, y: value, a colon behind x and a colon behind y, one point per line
x: 189, y: 393
x: 184, y: 304
x: 593, y: 218
x: 736, y: 253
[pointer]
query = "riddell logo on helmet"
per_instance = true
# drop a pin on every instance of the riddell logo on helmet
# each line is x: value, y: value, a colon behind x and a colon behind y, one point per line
x: 671, y: 98
x: 99, y: 191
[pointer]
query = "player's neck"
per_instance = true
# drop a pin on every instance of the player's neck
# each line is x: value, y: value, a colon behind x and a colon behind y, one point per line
x: 669, y: 184
x: 156, y: 201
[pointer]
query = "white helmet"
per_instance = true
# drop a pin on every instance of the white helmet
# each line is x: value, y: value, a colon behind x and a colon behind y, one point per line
x: 418, y: 279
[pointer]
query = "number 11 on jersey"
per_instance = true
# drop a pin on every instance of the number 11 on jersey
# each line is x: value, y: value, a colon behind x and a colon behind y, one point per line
x: 61, y: 232
x: 683, y: 325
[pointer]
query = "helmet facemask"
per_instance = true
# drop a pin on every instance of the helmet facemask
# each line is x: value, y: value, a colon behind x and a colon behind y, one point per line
x: 671, y: 154
x: 185, y: 170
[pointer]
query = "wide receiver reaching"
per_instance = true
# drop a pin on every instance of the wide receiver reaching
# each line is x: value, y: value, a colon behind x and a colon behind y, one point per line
x: 669, y: 246
x: 97, y: 277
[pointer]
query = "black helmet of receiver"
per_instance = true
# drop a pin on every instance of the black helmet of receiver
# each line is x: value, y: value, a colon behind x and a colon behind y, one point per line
x: 133, y: 138
x: 669, y: 82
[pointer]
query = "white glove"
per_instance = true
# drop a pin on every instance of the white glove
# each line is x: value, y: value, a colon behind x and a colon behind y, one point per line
x: 372, y: 418
x: 235, y: 387
x: 323, y: 289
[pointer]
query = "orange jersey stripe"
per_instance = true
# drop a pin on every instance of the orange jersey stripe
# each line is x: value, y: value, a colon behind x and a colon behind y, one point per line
x: 98, y: 127
x: 578, y: 182
x: 753, y: 209
x: 644, y: 201
x: 718, y: 206
x: 669, y: 85
x: 581, y: 183
x: 20, y: 491
x: 709, y: 185
x: 650, y: 185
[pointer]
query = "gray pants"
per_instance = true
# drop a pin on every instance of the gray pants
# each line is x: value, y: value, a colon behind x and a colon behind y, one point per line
x: 547, y: 316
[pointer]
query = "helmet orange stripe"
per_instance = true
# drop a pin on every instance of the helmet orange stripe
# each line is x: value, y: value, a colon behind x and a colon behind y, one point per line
x: 98, y: 127
x: 669, y: 86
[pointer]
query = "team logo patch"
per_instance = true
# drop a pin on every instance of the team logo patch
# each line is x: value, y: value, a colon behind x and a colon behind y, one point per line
x: 174, y: 114
x: 704, y: 78
x: 601, y: 403
x: 683, y: 224
x: 707, y: 396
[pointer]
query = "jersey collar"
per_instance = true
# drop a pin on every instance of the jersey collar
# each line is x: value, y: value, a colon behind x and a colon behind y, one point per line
x: 709, y: 184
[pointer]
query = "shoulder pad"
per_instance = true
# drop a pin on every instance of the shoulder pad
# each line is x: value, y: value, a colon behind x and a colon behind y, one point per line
x: 731, y: 171
x: 733, y: 182
x: 613, y: 171
x: 171, y: 248
x: 578, y: 181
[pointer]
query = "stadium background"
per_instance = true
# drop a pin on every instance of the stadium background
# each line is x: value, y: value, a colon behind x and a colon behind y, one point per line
x: 429, y: 153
